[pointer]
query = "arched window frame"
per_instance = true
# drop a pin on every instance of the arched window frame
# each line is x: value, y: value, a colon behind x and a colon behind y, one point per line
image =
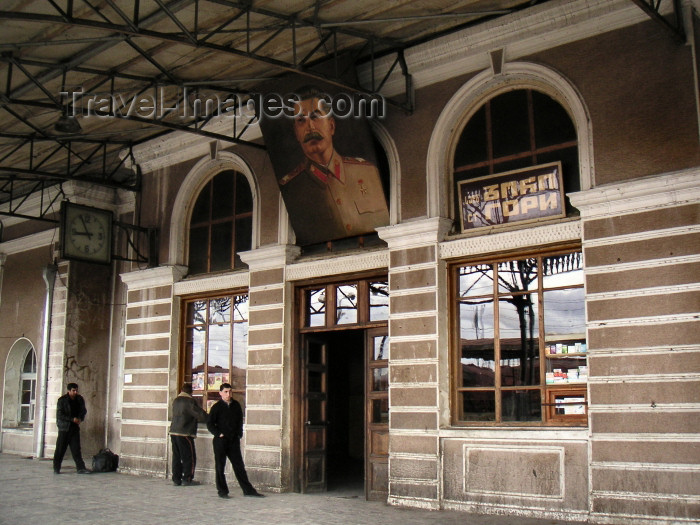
x: 12, y: 389
x: 198, y: 177
x: 466, y: 102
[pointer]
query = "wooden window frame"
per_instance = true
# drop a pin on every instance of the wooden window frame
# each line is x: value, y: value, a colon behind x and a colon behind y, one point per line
x: 548, y: 392
x: 185, y: 375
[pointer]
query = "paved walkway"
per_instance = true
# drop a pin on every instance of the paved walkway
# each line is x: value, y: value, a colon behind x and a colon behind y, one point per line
x: 31, y: 493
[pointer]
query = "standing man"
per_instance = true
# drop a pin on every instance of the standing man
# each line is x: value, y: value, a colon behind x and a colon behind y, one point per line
x: 226, y: 424
x: 329, y: 196
x: 70, y: 412
x: 183, y: 431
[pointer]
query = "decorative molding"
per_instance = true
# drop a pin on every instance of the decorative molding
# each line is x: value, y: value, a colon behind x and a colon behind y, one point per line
x: 415, y: 233
x: 638, y: 195
x: 273, y: 256
x: 351, y: 263
x: 513, y: 239
x: 29, y: 242
x: 521, y: 34
x: 225, y: 281
x: 153, y: 277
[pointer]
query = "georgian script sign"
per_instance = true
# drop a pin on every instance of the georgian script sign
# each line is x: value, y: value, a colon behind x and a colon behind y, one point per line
x: 514, y: 196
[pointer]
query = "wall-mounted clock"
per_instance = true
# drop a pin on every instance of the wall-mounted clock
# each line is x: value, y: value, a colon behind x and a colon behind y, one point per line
x: 86, y: 233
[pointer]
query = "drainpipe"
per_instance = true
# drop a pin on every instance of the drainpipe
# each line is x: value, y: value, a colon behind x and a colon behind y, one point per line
x: 49, y: 275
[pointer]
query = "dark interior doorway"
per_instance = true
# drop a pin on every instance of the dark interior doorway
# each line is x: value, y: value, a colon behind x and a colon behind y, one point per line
x: 346, y: 410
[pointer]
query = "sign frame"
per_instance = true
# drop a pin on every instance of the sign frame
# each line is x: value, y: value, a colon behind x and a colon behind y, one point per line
x: 529, y: 183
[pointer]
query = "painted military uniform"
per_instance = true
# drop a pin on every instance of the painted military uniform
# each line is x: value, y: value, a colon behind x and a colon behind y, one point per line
x: 342, y: 199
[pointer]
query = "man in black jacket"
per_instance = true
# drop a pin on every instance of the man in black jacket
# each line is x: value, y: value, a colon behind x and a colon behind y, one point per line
x: 70, y: 412
x: 226, y: 424
x: 183, y: 430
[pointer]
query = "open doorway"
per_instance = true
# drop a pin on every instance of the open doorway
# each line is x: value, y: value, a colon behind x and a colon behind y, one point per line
x: 346, y: 432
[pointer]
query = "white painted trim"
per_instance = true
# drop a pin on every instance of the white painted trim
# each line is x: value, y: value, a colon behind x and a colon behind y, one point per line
x: 29, y: 242
x: 470, y: 97
x: 202, y: 172
x: 328, y: 266
x: 226, y: 281
x: 638, y: 195
x: 153, y: 277
x: 394, y: 161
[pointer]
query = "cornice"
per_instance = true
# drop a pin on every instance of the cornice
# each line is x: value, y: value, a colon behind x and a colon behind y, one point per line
x: 153, y: 277
x: 351, y: 263
x: 415, y: 233
x: 646, y: 193
x: 226, y: 281
x: 512, y: 239
x: 267, y: 257
x: 521, y: 34
x: 29, y: 242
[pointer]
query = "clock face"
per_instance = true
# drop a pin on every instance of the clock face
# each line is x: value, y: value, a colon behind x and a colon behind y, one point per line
x: 87, y: 233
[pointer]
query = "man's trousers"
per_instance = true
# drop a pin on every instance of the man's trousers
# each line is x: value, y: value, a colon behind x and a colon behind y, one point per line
x: 184, y: 458
x: 69, y: 438
x: 231, y: 449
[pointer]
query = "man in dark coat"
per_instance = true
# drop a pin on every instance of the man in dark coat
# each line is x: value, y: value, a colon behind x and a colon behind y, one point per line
x: 226, y: 424
x: 70, y: 412
x: 183, y: 431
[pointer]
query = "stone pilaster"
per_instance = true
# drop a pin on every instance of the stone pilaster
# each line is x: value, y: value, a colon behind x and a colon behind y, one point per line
x: 416, y: 283
x: 267, y: 428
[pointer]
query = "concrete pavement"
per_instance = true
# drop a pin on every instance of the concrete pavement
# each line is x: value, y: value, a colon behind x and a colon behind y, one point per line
x: 31, y: 493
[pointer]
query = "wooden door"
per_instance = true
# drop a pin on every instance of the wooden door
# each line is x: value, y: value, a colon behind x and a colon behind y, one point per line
x: 377, y: 414
x: 315, y: 413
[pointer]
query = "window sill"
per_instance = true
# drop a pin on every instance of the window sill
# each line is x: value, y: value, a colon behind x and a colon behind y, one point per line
x: 558, y: 433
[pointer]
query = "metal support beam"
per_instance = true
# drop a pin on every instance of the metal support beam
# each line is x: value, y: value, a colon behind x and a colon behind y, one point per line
x: 653, y: 9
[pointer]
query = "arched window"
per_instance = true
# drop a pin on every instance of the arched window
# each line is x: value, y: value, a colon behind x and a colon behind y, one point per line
x: 221, y: 224
x: 513, y: 130
x: 28, y: 390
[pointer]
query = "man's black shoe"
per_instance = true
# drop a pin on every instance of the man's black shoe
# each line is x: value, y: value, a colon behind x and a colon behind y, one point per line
x: 83, y: 471
x: 56, y: 471
x: 176, y: 483
x: 223, y: 495
x: 189, y: 483
x: 254, y: 494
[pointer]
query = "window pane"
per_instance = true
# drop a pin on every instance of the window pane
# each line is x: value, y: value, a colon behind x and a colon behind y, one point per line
x: 240, y: 346
x: 473, y: 145
x: 29, y: 366
x: 519, y: 339
x: 517, y: 276
x: 475, y: 280
x: 552, y: 122
x: 240, y: 309
x: 381, y: 348
x: 380, y: 411
x: 510, y: 123
x: 221, y: 246
x: 244, y: 198
x: 200, y: 213
x: 477, y: 344
x: 380, y: 379
x: 222, y: 200
x: 378, y: 301
x: 521, y: 405
x: 562, y: 270
x: 197, y: 336
x: 219, y: 344
x: 199, y: 240
x: 24, y: 415
x: 220, y: 310
x: 478, y: 406
x: 346, y: 304
x: 564, y: 314
x: 316, y: 307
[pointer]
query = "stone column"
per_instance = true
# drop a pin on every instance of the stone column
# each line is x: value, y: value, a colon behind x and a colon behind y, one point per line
x: 268, y: 383
x: 416, y: 284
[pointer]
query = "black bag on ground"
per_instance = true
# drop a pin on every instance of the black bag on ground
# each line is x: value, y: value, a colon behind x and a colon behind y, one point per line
x: 105, y: 461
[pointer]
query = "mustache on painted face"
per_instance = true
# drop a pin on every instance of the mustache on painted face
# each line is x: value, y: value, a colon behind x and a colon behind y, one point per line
x: 313, y: 135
